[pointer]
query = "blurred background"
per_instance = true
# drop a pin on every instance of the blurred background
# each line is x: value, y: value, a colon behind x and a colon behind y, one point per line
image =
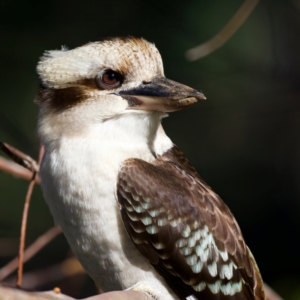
x: 244, y: 140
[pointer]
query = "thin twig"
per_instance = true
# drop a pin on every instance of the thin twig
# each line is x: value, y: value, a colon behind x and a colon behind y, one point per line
x: 19, y: 157
x: 23, y: 229
x: 16, y: 170
x: 35, y: 247
x: 224, y: 35
x: 25, y: 215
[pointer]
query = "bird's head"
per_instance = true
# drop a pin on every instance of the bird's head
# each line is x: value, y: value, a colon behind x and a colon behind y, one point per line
x: 101, y: 80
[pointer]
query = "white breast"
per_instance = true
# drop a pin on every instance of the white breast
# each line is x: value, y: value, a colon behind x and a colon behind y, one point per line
x: 79, y: 184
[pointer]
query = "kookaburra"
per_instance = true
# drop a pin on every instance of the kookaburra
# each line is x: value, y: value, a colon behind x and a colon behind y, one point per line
x: 134, y: 211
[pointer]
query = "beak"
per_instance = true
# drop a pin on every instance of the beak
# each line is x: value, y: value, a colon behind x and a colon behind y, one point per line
x: 161, y: 94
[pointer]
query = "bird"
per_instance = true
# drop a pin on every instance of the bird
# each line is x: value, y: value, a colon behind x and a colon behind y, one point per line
x: 134, y: 210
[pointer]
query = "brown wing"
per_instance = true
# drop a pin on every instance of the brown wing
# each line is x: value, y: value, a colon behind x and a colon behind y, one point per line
x: 186, y: 231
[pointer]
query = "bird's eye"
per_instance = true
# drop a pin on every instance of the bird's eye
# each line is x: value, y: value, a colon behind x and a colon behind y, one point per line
x: 109, y: 80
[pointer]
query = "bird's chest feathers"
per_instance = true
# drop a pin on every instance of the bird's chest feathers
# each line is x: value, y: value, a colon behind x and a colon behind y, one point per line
x: 79, y: 181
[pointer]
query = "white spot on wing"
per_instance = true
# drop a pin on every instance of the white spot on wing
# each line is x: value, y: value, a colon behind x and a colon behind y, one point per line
x: 191, y: 298
x: 207, y: 240
x: 215, y: 287
x: 147, y: 199
x: 162, y: 221
x: 136, y: 197
x: 137, y: 240
x: 152, y: 229
x: 231, y: 288
x: 133, y: 216
x: 196, y: 268
x: 175, y: 222
x: 195, y: 225
x: 158, y: 245
x: 199, y: 287
x: 146, y: 221
x: 191, y: 260
x: 128, y: 207
x: 146, y: 205
x: 138, y: 208
x: 170, y: 217
x: 153, y: 213
x: 181, y: 243
x: 185, y: 251
x: 204, y: 231
x: 191, y: 242
x: 224, y: 255
x: 126, y: 189
x: 212, y: 269
x: 196, y: 235
x: 186, y: 231
x: 226, y: 271
x: 202, y: 253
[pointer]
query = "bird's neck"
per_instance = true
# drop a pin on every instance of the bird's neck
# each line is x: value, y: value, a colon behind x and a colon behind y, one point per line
x: 129, y: 129
x: 132, y: 130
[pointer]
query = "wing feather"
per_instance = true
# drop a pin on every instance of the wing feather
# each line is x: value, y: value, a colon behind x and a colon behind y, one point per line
x: 185, y: 230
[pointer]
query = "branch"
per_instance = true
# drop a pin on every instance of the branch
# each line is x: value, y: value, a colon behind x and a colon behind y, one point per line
x: 225, y: 34
x: 19, y: 155
x: 7, y: 293
x: 23, y: 230
x: 20, y: 159
x: 16, y: 170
